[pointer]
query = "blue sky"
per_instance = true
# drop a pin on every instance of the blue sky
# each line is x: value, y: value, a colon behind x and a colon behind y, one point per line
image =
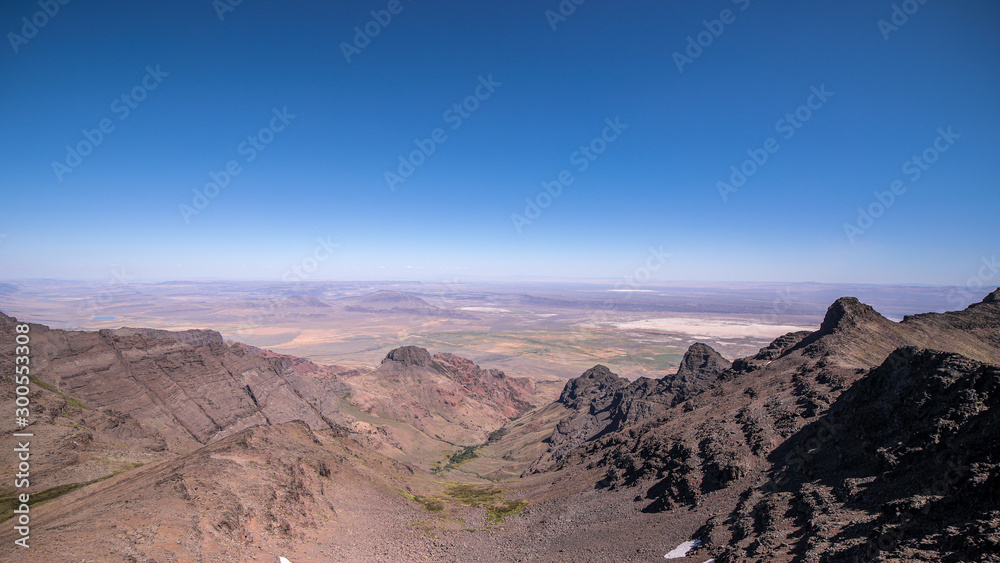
x: 463, y: 212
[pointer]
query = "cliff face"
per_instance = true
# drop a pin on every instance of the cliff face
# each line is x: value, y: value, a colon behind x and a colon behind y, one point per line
x: 186, y: 387
x: 199, y: 389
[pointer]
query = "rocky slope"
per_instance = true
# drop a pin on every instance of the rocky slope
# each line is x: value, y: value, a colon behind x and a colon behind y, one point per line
x: 718, y: 449
x: 443, y: 396
x: 264, y: 492
x: 904, y: 464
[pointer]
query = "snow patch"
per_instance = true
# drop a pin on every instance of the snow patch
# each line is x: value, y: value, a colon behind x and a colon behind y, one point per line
x: 682, y: 549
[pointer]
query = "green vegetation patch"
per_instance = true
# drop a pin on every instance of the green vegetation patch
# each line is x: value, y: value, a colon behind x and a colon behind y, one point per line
x: 500, y: 510
x: 9, y: 503
x: 73, y: 402
x: 490, y: 497
x: 474, y: 495
x: 9, y: 500
x: 497, y: 434
x: 457, y: 458
x: 430, y: 504
x: 467, y: 453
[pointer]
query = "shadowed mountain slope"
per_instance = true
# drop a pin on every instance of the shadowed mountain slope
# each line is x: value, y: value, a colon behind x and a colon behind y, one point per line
x: 905, y: 463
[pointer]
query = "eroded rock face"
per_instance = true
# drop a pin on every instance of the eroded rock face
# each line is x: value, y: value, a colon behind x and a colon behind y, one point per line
x: 510, y: 395
x: 194, y: 337
x: 261, y: 491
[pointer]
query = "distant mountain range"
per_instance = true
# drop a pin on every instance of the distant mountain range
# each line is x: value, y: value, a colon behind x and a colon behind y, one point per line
x: 397, y: 303
x: 866, y: 440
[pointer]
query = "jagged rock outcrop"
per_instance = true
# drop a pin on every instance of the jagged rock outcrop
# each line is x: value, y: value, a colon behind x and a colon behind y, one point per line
x: 780, y: 345
x: 993, y: 297
x: 699, y: 368
x: 602, y: 402
x: 593, y: 391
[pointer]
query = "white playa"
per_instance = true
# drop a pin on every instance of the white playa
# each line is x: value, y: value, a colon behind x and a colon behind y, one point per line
x: 713, y: 328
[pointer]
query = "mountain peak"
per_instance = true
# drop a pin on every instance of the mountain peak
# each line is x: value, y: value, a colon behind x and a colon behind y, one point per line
x: 409, y: 356
x: 847, y: 312
x: 595, y: 383
x: 701, y: 359
x: 993, y: 297
x: 701, y: 365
